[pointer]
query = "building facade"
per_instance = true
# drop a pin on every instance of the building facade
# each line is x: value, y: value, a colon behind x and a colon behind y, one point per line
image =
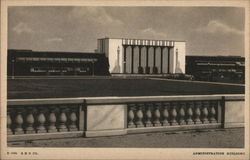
x: 34, y: 63
x: 141, y: 56
x: 121, y: 56
x: 216, y: 68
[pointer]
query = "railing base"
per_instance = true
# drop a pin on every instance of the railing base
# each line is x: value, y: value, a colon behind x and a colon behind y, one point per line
x: 26, y: 137
x: 234, y: 125
x: 173, y: 128
x: 105, y: 133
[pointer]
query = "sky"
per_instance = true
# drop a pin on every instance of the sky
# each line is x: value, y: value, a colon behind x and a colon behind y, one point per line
x: 208, y: 31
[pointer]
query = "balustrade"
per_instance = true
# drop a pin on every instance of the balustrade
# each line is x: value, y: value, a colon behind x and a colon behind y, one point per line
x: 19, y: 122
x: 73, y: 119
x: 30, y: 121
x: 197, y: 113
x: 52, y: 120
x: 205, y: 112
x: 213, y: 112
x: 182, y: 114
x: 68, y: 117
x: 131, y: 116
x: 165, y: 114
x: 9, y: 123
x: 148, y: 122
x: 157, y: 115
x: 172, y: 113
x: 42, y: 119
x: 139, y: 116
x: 189, y: 113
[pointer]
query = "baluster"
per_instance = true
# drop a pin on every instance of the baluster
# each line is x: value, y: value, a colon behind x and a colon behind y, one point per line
x: 41, y: 121
x: 139, y: 116
x: 182, y: 114
x: 190, y: 113
x: 165, y: 114
x: 205, y: 112
x: 213, y: 113
x: 19, y: 122
x: 173, y: 113
x: 52, y: 120
x: 131, y: 116
x: 9, y: 122
x: 197, y: 113
x: 62, y: 120
x: 30, y: 121
x: 73, y: 119
x: 157, y: 115
x: 148, y: 122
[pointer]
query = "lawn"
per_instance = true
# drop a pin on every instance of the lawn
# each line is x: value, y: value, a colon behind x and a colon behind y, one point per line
x: 95, y: 87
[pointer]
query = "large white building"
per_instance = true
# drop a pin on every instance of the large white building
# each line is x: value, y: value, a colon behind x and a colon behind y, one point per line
x: 143, y: 56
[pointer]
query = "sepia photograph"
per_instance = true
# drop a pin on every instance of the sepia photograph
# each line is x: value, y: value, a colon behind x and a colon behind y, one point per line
x: 138, y: 79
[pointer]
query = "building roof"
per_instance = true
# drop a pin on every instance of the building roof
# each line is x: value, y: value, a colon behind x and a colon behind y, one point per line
x: 31, y: 53
x: 144, y: 39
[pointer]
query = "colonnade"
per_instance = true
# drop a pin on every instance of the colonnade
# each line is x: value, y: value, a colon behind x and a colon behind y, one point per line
x: 147, y: 68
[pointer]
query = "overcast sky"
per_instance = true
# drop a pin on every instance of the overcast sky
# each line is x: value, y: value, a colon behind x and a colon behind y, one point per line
x: 207, y: 30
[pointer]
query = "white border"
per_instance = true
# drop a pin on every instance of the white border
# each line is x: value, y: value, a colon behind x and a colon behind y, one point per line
x: 116, y: 153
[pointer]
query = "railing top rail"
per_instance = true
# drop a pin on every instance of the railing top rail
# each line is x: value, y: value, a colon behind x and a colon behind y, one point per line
x: 116, y: 100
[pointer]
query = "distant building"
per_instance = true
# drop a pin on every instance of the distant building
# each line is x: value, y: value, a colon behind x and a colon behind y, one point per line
x: 36, y: 63
x: 129, y: 56
x: 122, y: 56
x: 216, y: 68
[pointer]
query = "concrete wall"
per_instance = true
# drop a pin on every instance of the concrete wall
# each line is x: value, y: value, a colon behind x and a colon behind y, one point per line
x: 177, y: 57
x: 106, y: 120
x: 234, y: 114
x: 110, y: 47
x: 114, y: 67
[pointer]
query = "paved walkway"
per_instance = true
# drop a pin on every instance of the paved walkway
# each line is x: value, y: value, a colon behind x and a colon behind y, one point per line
x: 220, y: 138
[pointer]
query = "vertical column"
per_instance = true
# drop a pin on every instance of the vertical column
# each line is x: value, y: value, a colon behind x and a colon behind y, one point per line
x: 165, y: 114
x: 132, y: 59
x: 147, y: 69
x: 131, y: 116
x: 19, y: 122
x: 118, y: 60
x: 157, y: 115
x: 140, y: 69
x: 62, y: 120
x: 161, y: 59
x: 139, y: 116
x: 168, y: 60
x: 155, y: 70
x: 52, y: 120
x: 81, y: 116
x: 9, y: 122
x: 13, y: 67
x: 148, y: 122
x: 73, y: 118
x: 41, y: 119
x: 154, y: 57
x: 213, y: 112
x: 173, y: 114
x: 29, y: 121
x: 124, y: 59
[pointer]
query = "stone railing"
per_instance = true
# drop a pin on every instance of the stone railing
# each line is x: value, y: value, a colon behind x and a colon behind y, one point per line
x: 26, y: 119
x: 31, y: 119
x: 173, y: 113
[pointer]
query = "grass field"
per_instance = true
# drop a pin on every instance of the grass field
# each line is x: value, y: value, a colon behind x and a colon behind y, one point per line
x: 95, y: 87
